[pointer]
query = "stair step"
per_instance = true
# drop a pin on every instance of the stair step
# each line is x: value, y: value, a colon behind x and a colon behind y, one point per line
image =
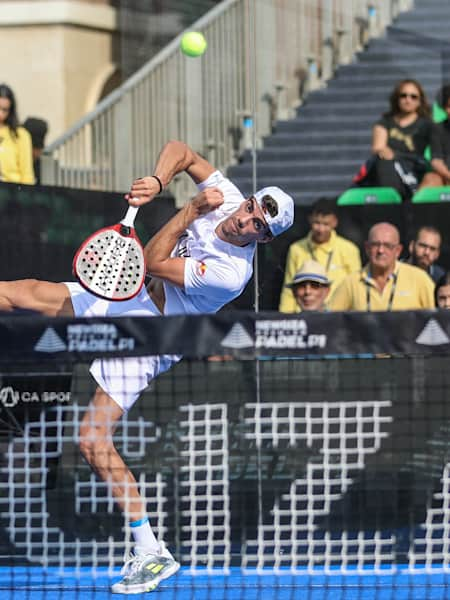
x: 299, y: 183
x: 432, y: 17
x: 375, y: 69
x: 295, y: 139
x: 399, y: 54
x: 375, y: 60
x: 425, y: 13
x: 308, y: 152
x: 300, y: 169
x: 423, y: 31
x: 339, y: 109
x: 301, y: 196
x: 353, y: 80
x: 391, y: 45
x: 325, y: 122
x: 336, y: 96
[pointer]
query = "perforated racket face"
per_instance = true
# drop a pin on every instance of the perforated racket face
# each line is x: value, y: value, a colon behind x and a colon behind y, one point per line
x: 111, y: 265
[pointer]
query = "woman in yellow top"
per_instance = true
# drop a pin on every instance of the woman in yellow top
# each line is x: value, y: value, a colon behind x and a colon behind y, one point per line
x: 16, y: 157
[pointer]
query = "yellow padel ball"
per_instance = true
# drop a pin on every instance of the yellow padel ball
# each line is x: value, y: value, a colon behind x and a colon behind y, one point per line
x: 193, y: 43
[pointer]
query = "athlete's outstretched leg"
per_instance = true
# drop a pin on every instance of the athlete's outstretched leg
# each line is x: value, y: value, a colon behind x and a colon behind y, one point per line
x: 51, y: 299
x: 151, y: 562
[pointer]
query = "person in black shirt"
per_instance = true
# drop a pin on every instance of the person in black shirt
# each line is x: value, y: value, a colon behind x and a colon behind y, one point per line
x: 399, y: 140
x: 440, y: 147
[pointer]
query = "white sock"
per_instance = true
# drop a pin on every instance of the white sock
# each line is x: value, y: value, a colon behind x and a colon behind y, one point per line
x: 144, y: 538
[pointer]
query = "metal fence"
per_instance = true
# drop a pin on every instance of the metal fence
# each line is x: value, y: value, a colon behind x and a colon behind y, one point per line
x: 263, y: 57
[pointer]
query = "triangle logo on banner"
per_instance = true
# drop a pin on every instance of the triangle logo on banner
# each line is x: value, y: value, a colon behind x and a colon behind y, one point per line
x: 50, y: 342
x: 432, y: 335
x: 238, y: 337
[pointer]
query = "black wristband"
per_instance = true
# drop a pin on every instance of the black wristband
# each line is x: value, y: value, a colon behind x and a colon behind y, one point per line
x: 161, y: 187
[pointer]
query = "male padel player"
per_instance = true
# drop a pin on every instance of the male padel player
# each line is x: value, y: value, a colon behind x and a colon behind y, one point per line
x: 199, y: 260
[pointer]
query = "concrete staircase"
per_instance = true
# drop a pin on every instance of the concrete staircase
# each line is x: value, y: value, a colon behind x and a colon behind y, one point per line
x: 319, y: 151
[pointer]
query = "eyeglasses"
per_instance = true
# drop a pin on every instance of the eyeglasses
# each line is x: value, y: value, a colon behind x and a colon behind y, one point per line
x: 406, y: 95
x: 387, y: 245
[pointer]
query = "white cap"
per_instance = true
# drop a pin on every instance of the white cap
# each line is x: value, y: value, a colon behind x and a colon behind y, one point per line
x: 278, y: 208
x: 311, y: 271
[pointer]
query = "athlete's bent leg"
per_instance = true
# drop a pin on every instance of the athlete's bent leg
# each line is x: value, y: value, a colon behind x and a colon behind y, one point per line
x: 51, y: 299
x: 96, y: 445
x: 151, y: 562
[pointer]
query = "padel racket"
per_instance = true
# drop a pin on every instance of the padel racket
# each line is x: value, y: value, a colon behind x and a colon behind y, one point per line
x: 110, y: 263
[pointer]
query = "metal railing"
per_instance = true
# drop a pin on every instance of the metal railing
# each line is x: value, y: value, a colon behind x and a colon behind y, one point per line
x: 263, y: 57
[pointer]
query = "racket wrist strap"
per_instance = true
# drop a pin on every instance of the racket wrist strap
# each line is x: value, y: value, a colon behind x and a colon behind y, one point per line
x: 161, y: 187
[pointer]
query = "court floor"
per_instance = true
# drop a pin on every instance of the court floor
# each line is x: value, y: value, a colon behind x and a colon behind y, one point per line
x: 34, y: 583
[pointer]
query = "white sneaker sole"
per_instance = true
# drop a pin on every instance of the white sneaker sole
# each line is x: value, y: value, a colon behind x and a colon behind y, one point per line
x: 139, y: 588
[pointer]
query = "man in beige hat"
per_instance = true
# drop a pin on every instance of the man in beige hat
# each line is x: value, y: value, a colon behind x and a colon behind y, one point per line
x: 310, y: 286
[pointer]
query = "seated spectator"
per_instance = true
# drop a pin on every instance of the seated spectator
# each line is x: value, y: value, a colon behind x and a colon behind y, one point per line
x: 310, y: 286
x: 16, y: 159
x: 337, y: 255
x: 384, y: 283
x: 399, y: 140
x: 442, y: 291
x: 37, y: 128
x: 440, y: 147
x: 424, y: 251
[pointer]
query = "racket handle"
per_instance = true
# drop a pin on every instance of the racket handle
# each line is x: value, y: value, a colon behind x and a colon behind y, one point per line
x: 128, y: 219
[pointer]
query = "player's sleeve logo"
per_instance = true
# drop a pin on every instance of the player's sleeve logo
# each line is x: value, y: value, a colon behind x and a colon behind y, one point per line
x: 182, y: 248
x: 201, y: 268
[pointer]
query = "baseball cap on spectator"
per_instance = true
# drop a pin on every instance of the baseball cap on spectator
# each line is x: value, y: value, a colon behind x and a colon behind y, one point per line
x: 311, y: 270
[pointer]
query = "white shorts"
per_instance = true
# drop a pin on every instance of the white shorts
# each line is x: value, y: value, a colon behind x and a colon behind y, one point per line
x: 121, y: 378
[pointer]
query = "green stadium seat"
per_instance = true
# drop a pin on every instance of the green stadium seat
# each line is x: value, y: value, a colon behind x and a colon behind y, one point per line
x: 438, y: 113
x: 432, y: 194
x: 369, y: 195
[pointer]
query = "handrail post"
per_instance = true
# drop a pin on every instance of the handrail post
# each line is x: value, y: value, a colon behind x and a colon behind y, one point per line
x: 327, y: 48
x: 48, y: 169
x: 123, y: 144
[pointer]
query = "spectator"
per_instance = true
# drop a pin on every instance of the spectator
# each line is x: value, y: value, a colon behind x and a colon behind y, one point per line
x: 424, y: 251
x: 384, y: 283
x: 310, y: 286
x: 440, y: 147
x: 337, y: 255
x: 16, y: 161
x: 399, y: 140
x: 442, y: 291
x: 37, y: 128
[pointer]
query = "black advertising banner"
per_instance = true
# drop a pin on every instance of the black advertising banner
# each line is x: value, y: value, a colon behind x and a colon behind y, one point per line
x: 240, y: 334
x: 41, y: 226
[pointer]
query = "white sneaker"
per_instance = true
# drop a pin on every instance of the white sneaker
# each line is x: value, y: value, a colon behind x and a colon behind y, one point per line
x: 144, y: 572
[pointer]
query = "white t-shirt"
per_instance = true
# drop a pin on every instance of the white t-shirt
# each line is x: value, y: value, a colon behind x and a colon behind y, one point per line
x: 215, y: 271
